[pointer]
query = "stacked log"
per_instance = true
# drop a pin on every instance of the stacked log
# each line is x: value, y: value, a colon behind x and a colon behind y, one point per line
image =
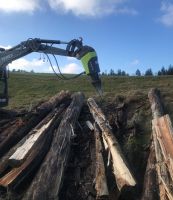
x: 48, y: 180
x: 61, y: 99
x: 46, y: 139
x: 156, y: 104
x: 123, y: 176
x: 100, y: 180
x: 9, y: 138
x: 162, y: 133
x: 29, y: 155
x: 150, y: 186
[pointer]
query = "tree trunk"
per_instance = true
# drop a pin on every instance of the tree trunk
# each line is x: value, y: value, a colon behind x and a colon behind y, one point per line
x: 156, y: 104
x: 164, y: 169
x: 35, y: 155
x: 122, y: 173
x: 151, y: 183
x: 163, y: 142
x: 47, y: 182
x: 9, y: 138
x: 150, y: 187
x: 100, y: 181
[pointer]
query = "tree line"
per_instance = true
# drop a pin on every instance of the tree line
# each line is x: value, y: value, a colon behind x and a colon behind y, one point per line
x: 119, y: 72
x: 22, y: 71
x: 148, y: 72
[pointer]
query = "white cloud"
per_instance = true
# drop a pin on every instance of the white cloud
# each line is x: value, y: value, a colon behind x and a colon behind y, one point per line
x: 71, y: 59
x: 135, y: 62
x: 91, y: 7
x: 19, y: 5
x: 5, y: 47
x: 71, y: 68
x: 167, y: 17
x: 28, y: 65
x: 40, y: 66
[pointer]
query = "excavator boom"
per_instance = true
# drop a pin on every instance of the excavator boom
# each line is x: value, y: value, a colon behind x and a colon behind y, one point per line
x: 74, y: 48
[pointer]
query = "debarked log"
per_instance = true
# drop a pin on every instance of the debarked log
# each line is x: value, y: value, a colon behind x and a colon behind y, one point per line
x: 48, y: 180
x: 34, y: 137
x: 122, y: 173
x: 163, y: 142
x: 19, y: 130
x: 100, y: 179
x: 21, y: 153
x: 35, y: 154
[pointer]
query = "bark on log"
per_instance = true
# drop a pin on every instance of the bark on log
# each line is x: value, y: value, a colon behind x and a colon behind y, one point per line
x: 164, y: 169
x: 8, y: 113
x: 163, y: 141
x: 36, y: 154
x: 47, y: 182
x: 12, y: 137
x: 161, y: 169
x: 166, y: 136
x: 151, y: 183
x: 100, y: 180
x: 156, y: 104
x: 150, y: 187
x: 121, y: 171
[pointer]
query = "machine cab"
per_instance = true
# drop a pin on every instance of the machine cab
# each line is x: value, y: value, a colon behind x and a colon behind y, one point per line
x: 3, y: 87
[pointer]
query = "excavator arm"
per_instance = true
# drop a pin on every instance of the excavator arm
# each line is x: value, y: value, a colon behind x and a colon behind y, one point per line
x: 74, y: 48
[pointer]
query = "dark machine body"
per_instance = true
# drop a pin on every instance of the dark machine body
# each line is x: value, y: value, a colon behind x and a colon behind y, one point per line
x: 74, y: 48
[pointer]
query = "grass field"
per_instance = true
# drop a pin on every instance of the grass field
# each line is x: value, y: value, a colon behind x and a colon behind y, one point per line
x: 28, y: 89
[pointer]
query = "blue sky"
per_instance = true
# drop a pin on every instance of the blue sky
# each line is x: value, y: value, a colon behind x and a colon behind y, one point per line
x: 127, y: 34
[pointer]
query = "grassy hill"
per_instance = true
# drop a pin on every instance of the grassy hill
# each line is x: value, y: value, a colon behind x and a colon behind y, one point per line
x: 28, y: 89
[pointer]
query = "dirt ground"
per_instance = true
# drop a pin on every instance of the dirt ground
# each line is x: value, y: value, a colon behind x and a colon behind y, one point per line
x: 130, y: 119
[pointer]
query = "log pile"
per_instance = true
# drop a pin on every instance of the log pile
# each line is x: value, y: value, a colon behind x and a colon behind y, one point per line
x: 9, y: 138
x: 29, y: 152
x: 37, y: 150
x: 122, y: 173
x: 159, y: 173
x: 48, y: 143
x: 41, y: 144
x: 53, y: 166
